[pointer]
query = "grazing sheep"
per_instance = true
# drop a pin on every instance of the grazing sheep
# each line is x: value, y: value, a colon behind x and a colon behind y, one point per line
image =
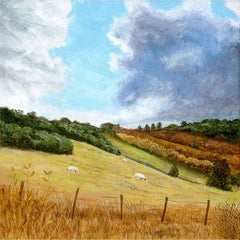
x: 140, y: 176
x: 125, y: 160
x: 72, y: 169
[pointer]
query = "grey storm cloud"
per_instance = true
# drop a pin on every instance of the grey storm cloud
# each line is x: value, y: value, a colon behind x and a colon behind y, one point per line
x: 187, y: 60
x: 28, y: 31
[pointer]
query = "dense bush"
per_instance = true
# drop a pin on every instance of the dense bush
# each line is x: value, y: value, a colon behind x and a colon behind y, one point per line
x: 235, y: 180
x: 108, y: 128
x: 28, y: 138
x: 228, y: 130
x: 220, y: 177
x: 86, y: 133
x: 64, y: 127
x: 173, y: 172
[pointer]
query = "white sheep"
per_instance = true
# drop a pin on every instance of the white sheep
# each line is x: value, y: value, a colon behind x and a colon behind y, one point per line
x: 140, y: 176
x: 72, y: 169
x: 125, y: 160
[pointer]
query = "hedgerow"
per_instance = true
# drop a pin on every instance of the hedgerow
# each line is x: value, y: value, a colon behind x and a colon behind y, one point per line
x: 33, y: 132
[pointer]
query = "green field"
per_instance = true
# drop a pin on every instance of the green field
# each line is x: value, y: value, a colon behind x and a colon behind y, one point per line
x: 104, y: 174
x: 157, y: 161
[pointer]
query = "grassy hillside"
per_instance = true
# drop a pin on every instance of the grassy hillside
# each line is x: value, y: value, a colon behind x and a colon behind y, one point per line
x: 160, y: 163
x: 101, y: 174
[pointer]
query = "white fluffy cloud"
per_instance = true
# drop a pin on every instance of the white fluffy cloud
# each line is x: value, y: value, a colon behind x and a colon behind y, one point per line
x: 233, y: 5
x: 186, y: 56
x: 29, y: 29
x: 198, y: 5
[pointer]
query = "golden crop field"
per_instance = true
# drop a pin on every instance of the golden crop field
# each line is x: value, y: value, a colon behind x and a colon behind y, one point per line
x: 38, y: 214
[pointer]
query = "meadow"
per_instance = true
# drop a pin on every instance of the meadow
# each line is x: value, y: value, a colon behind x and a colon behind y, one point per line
x: 43, y: 209
x: 101, y: 173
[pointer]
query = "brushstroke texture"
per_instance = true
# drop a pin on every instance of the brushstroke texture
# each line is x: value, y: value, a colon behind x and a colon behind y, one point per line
x: 186, y: 61
x: 29, y: 30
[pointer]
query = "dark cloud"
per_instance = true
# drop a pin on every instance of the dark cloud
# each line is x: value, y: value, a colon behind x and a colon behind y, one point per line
x: 191, y: 58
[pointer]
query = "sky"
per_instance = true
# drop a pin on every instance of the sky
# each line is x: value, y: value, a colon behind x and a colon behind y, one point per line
x: 127, y: 62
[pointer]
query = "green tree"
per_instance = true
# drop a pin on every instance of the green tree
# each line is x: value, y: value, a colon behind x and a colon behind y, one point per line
x: 235, y: 179
x: 107, y: 126
x: 153, y: 127
x: 139, y: 127
x: 220, y: 177
x: 159, y: 125
x: 173, y: 172
x: 65, y: 120
x: 147, y: 128
x: 183, y: 123
x: 172, y: 127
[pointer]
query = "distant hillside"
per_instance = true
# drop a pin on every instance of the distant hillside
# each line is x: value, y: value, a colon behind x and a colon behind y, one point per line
x: 28, y: 131
x: 228, y: 130
x: 191, y: 149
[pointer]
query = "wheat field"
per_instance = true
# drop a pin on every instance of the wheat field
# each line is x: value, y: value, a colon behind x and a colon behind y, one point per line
x: 27, y: 213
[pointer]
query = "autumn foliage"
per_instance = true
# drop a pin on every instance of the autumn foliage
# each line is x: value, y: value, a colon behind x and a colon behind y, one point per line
x: 192, y: 150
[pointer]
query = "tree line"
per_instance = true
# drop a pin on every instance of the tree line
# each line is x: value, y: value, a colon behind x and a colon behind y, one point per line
x: 228, y: 130
x: 150, y: 127
x: 28, y: 131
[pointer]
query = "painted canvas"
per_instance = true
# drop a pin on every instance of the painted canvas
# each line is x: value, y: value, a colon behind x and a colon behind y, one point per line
x: 120, y: 119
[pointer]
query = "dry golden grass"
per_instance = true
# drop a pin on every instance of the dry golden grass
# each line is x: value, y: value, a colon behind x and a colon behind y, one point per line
x: 44, y: 214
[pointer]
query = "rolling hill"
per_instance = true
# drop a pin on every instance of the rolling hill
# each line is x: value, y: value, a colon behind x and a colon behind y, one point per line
x: 194, y: 150
x: 105, y: 174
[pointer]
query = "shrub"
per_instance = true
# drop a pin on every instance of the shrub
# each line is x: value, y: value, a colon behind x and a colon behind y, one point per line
x: 172, y: 127
x: 28, y: 138
x: 235, y: 180
x: 147, y: 128
x: 173, y: 172
x: 23, y: 131
x: 181, y: 158
x: 220, y: 176
x: 193, y: 145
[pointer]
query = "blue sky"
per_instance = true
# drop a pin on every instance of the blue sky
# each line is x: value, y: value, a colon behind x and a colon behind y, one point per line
x: 122, y: 61
x: 91, y: 82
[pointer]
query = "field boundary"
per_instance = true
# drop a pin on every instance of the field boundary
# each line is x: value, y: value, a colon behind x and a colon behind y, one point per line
x: 121, y: 204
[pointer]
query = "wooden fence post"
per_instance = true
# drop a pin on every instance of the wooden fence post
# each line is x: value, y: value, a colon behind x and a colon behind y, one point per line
x: 21, y: 190
x: 74, y: 203
x: 207, y: 211
x: 121, y: 205
x: 165, y: 208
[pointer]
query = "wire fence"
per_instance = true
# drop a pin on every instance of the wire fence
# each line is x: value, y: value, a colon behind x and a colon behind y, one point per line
x: 119, y: 203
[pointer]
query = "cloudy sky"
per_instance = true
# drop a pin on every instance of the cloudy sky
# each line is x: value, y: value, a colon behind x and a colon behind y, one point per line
x: 128, y: 62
